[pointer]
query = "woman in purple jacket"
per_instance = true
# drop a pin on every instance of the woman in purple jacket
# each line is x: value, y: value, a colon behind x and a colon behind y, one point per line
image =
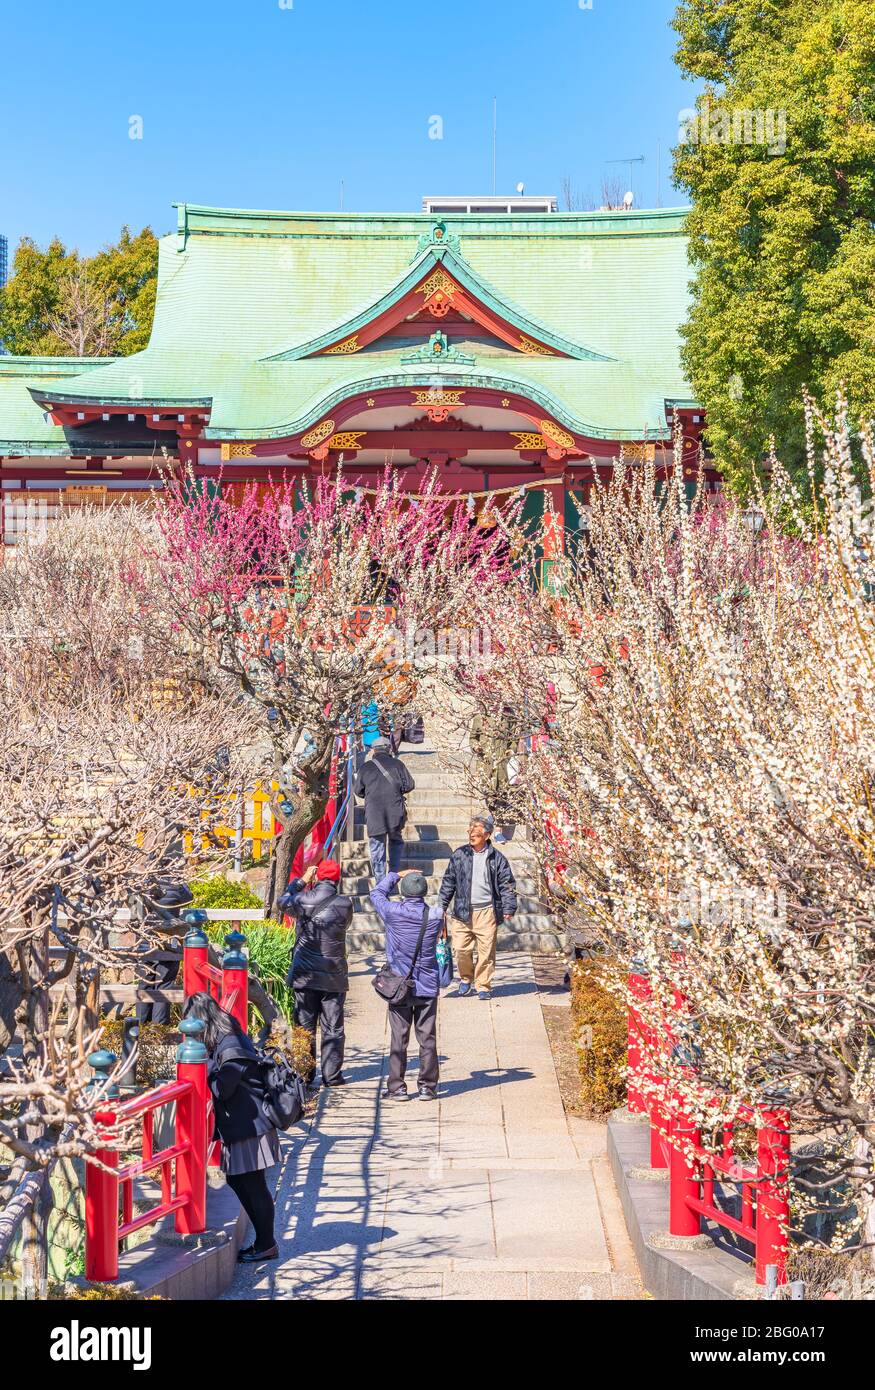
x: 403, y: 923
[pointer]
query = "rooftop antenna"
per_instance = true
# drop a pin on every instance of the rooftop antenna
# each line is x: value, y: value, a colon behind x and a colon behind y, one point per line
x: 341, y: 195
x: 494, y: 138
x: 521, y: 188
x: 659, y: 173
x: 637, y: 159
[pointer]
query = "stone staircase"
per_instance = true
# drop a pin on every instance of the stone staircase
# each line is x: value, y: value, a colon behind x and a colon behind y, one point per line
x: 438, y: 812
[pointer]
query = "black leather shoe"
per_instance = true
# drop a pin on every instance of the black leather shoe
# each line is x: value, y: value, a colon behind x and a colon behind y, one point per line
x: 244, y: 1251
x: 253, y: 1256
x: 338, y: 1081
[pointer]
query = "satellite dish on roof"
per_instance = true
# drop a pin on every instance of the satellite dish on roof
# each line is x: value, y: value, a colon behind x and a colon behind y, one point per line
x: 628, y: 199
x: 521, y: 188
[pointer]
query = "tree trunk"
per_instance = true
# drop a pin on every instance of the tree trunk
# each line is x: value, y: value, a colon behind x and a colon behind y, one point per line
x: 308, y: 812
x: 35, y: 1240
x: 11, y: 995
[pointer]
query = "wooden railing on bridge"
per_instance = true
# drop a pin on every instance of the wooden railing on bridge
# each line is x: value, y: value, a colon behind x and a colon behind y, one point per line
x: 183, y: 1163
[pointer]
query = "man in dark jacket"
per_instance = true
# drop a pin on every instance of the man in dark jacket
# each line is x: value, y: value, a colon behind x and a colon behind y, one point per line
x: 318, y: 973
x: 481, y: 880
x: 403, y: 923
x: 383, y: 782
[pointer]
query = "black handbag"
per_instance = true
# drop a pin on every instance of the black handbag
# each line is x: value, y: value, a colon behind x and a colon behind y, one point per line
x: 397, y: 989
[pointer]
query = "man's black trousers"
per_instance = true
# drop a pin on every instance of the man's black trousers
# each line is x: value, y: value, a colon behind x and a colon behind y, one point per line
x: 422, y: 1013
x: 314, y: 1006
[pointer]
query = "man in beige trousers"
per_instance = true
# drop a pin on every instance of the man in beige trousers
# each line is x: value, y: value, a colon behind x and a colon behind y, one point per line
x: 480, y: 882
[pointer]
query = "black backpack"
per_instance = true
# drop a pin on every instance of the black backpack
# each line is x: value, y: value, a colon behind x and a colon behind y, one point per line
x: 285, y: 1093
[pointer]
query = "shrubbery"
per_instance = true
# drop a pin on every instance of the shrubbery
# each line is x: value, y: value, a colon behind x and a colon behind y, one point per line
x: 600, y: 1031
x: 223, y: 892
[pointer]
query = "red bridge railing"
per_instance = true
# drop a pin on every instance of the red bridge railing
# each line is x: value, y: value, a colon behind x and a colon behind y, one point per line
x: 676, y: 1144
x: 182, y: 1164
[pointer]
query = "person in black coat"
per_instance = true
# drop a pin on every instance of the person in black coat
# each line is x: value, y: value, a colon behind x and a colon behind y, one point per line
x: 250, y: 1143
x: 318, y: 973
x: 383, y: 782
x: 172, y: 897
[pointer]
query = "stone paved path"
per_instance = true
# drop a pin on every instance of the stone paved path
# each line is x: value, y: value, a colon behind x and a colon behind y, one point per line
x: 491, y: 1193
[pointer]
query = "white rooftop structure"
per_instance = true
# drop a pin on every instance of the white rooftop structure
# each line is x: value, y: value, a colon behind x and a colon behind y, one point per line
x: 492, y: 203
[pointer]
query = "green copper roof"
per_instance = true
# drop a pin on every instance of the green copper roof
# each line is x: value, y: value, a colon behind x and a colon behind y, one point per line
x: 242, y: 294
x: 23, y: 427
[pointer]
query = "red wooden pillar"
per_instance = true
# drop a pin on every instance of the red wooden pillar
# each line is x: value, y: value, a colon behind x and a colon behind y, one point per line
x: 195, y: 955
x: 235, y: 978
x: 683, y: 1174
x: 773, y: 1205
x: 191, y: 1129
x: 102, y: 1185
x: 639, y: 988
x: 552, y: 530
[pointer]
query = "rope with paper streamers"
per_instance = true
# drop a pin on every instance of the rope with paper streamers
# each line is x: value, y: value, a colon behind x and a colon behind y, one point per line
x: 488, y: 492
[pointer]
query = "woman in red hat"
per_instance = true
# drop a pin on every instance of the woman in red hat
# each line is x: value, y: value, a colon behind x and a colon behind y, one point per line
x: 318, y: 973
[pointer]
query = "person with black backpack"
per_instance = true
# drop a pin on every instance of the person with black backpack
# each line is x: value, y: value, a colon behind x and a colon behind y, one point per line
x: 241, y: 1097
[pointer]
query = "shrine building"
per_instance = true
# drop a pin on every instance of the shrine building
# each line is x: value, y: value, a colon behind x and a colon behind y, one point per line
x: 502, y: 342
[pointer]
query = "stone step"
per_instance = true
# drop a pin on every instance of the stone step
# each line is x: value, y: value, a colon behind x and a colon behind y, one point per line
x: 515, y: 848
x: 530, y: 916
x: 433, y: 863
x: 444, y: 798
x: 364, y: 937
x: 456, y: 831
x: 360, y: 884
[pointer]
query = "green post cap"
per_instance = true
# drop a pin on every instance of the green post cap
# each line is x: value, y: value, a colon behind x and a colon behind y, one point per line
x: 191, y: 1049
x: 195, y: 936
x: 102, y: 1063
x: 234, y: 958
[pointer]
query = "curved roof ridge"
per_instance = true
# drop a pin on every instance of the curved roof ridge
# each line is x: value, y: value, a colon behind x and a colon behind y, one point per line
x: 323, y: 401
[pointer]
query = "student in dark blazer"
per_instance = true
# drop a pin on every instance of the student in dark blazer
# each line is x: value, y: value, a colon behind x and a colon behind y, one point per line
x: 250, y: 1143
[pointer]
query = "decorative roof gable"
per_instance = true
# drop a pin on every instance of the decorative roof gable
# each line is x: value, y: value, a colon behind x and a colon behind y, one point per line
x: 440, y: 283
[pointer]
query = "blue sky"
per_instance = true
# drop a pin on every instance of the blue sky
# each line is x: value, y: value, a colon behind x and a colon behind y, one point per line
x: 272, y: 103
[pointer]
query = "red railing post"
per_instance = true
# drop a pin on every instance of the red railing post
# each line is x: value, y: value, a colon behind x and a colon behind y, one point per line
x: 659, y: 1134
x: 102, y: 1186
x: 191, y: 1128
x: 235, y: 978
x: 773, y: 1206
x: 195, y: 955
x: 639, y: 988
x: 683, y: 1173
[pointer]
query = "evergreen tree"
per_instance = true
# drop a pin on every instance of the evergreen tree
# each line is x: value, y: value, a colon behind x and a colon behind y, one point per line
x: 779, y: 162
x: 60, y: 304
